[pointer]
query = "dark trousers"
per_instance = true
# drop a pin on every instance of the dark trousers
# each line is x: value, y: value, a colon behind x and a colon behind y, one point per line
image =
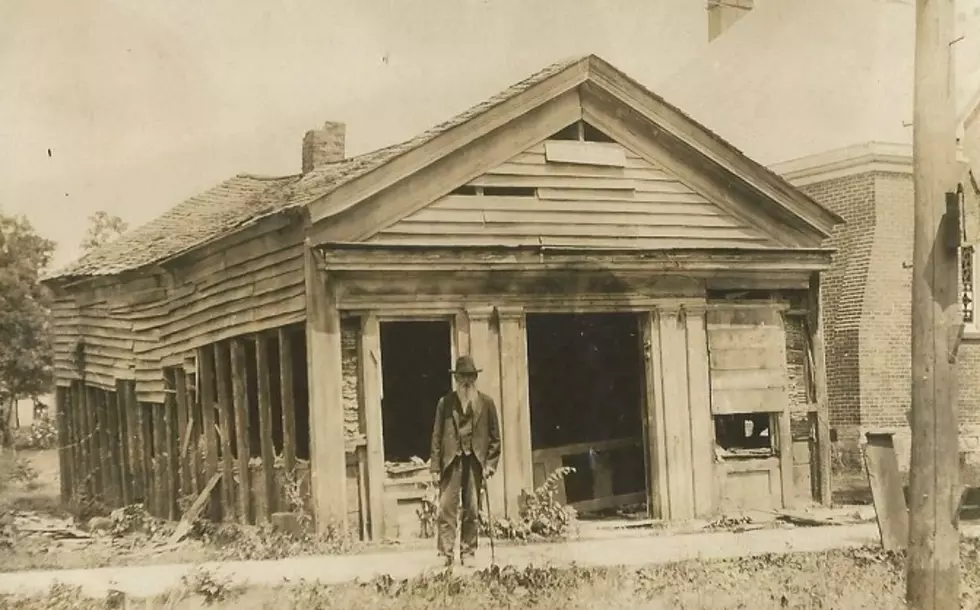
x: 460, y: 484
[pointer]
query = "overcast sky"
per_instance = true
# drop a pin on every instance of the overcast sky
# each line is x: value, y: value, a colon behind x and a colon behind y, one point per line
x: 143, y: 104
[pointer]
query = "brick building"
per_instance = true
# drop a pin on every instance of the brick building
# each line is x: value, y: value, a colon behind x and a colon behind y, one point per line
x: 821, y: 92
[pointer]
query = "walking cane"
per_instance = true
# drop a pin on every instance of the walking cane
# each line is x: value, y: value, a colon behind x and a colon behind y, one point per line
x: 486, y: 499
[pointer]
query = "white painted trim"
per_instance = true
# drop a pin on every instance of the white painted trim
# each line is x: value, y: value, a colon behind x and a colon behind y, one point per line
x: 848, y: 161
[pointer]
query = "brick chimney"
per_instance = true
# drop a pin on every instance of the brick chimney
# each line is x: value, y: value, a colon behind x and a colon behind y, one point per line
x: 722, y: 14
x: 324, y: 145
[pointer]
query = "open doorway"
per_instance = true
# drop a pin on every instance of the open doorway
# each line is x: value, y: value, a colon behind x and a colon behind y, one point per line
x: 416, y: 358
x: 586, y: 390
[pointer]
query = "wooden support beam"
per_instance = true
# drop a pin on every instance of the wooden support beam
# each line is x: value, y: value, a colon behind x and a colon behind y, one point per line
x: 194, y: 423
x: 267, y: 472
x: 114, y: 445
x: 161, y: 483
x: 94, y: 446
x: 146, y: 446
x: 288, y: 401
x: 328, y: 461
x: 222, y: 365
x: 79, y: 456
x: 484, y: 340
x: 655, y: 448
x: 677, y: 414
x: 514, y: 410
x: 105, y: 446
x: 206, y: 387
x: 122, y: 429
x: 369, y: 357
x: 134, y: 425
x: 702, y: 423
x: 239, y: 377
x: 64, y: 443
x: 184, y: 430
x: 171, y: 468
x: 933, y: 580
x: 818, y: 356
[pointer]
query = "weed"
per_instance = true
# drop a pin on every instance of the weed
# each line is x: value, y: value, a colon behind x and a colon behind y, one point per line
x: 204, y: 584
x: 42, y: 434
x: 541, y: 515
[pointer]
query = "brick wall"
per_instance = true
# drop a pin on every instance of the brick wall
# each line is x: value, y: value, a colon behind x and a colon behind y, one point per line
x: 349, y: 334
x: 867, y: 317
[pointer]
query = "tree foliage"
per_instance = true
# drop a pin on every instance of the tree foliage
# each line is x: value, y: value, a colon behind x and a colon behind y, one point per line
x: 102, y: 228
x: 26, y: 357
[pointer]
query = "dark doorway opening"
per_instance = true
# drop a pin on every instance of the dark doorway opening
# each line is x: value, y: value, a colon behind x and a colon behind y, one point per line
x: 586, y: 390
x: 415, y: 362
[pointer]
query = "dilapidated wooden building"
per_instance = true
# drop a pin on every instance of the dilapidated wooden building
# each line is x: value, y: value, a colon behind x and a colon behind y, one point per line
x: 642, y: 297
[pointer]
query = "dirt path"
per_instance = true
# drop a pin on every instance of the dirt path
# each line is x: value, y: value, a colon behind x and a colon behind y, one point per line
x: 147, y: 581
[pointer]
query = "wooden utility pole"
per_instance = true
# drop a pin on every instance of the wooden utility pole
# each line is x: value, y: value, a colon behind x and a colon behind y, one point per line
x: 933, y: 556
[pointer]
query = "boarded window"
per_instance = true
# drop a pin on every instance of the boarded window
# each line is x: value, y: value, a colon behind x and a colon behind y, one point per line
x: 747, y: 347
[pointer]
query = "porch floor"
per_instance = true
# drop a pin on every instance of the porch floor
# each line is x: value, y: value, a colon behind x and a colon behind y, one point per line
x: 618, y: 550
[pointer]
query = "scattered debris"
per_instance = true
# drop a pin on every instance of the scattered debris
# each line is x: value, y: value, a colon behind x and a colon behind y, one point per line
x: 187, y: 521
x: 287, y: 523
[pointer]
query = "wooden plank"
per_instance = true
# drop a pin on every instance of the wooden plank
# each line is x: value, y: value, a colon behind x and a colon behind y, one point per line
x: 698, y: 211
x: 770, y: 400
x: 80, y: 448
x: 677, y: 415
x: 603, y: 503
x: 655, y: 451
x: 702, y: 424
x: 149, y: 470
x: 125, y: 456
x: 239, y: 374
x: 461, y: 323
x: 814, y: 326
x: 369, y: 358
x: 746, y: 337
x: 222, y: 360
x: 173, y: 461
x: 267, y: 471
x: 514, y: 410
x: 755, y: 379
x: 184, y: 430
x: 96, y: 459
x: 485, y: 349
x: 554, y: 182
x: 744, y: 359
x: 785, y: 449
x: 134, y: 424
x: 325, y: 372
x: 585, y: 153
x: 110, y: 410
x: 881, y: 464
x: 535, y: 166
x: 555, y: 230
x: 574, y: 214
x: 288, y: 401
x: 161, y: 482
x: 64, y: 444
x: 206, y: 387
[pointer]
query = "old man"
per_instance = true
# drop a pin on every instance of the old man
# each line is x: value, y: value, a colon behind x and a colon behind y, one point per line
x: 464, y: 454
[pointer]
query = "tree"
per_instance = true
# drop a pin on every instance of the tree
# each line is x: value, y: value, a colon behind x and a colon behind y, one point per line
x: 26, y: 354
x: 102, y: 228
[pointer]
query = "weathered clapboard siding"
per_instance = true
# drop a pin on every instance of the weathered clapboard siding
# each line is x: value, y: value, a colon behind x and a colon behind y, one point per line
x: 587, y: 203
x: 145, y: 325
x: 64, y: 319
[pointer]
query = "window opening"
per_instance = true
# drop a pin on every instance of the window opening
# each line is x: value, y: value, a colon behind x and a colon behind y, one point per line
x: 745, y: 434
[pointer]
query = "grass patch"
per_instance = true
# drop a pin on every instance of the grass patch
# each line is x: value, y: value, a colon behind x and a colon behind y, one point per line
x: 861, y: 579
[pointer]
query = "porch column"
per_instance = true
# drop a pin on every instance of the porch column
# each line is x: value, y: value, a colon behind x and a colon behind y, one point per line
x: 328, y: 462
x: 699, y: 403
x: 484, y: 347
x: 515, y: 413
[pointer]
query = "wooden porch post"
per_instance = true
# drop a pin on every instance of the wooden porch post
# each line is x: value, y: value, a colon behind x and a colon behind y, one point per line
x: 515, y: 413
x: 676, y: 413
x: 655, y: 448
x: 369, y: 357
x: 484, y: 347
x: 815, y: 326
x: 699, y: 400
x: 328, y: 461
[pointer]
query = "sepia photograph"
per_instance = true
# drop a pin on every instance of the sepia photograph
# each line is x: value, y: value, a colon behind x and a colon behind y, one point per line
x: 479, y: 304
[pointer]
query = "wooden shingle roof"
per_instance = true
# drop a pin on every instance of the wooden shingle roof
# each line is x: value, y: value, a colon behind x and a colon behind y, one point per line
x: 243, y: 199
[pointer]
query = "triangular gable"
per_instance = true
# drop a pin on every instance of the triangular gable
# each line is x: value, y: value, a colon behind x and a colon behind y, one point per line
x: 588, y: 89
x: 576, y: 193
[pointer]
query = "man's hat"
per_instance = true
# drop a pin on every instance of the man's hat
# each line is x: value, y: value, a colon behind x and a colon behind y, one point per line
x: 465, y: 365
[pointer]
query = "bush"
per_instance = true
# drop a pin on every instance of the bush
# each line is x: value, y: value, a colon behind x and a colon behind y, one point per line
x: 15, y: 470
x: 42, y: 434
x: 541, y: 516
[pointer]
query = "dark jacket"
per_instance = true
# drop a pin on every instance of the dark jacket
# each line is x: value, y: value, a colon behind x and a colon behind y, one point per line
x: 445, y: 432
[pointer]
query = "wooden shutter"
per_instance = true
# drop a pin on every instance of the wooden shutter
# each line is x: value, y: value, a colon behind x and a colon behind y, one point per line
x: 747, y: 354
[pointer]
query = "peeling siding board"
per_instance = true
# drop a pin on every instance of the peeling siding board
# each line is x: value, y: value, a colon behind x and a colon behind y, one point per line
x: 575, y: 204
x: 751, y: 345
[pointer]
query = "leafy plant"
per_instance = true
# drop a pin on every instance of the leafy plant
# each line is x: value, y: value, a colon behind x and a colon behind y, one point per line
x: 541, y: 516
x: 427, y: 513
x: 15, y: 470
x: 212, y: 589
x: 41, y: 435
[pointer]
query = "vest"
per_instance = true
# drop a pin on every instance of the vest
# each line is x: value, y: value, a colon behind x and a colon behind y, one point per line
x: 465, y: 430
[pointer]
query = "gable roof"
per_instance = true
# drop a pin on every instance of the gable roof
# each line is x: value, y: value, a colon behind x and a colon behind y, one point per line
x: 795, y: 78
x: 244, y: 199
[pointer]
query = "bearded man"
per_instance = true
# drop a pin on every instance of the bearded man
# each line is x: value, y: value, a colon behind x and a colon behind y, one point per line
x: 465, y: 452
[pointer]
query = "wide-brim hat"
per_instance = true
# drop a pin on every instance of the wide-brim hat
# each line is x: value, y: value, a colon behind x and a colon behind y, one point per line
x: 465, y: 365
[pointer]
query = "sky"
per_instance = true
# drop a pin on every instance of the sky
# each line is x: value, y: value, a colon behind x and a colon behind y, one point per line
x: 131, y: 107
